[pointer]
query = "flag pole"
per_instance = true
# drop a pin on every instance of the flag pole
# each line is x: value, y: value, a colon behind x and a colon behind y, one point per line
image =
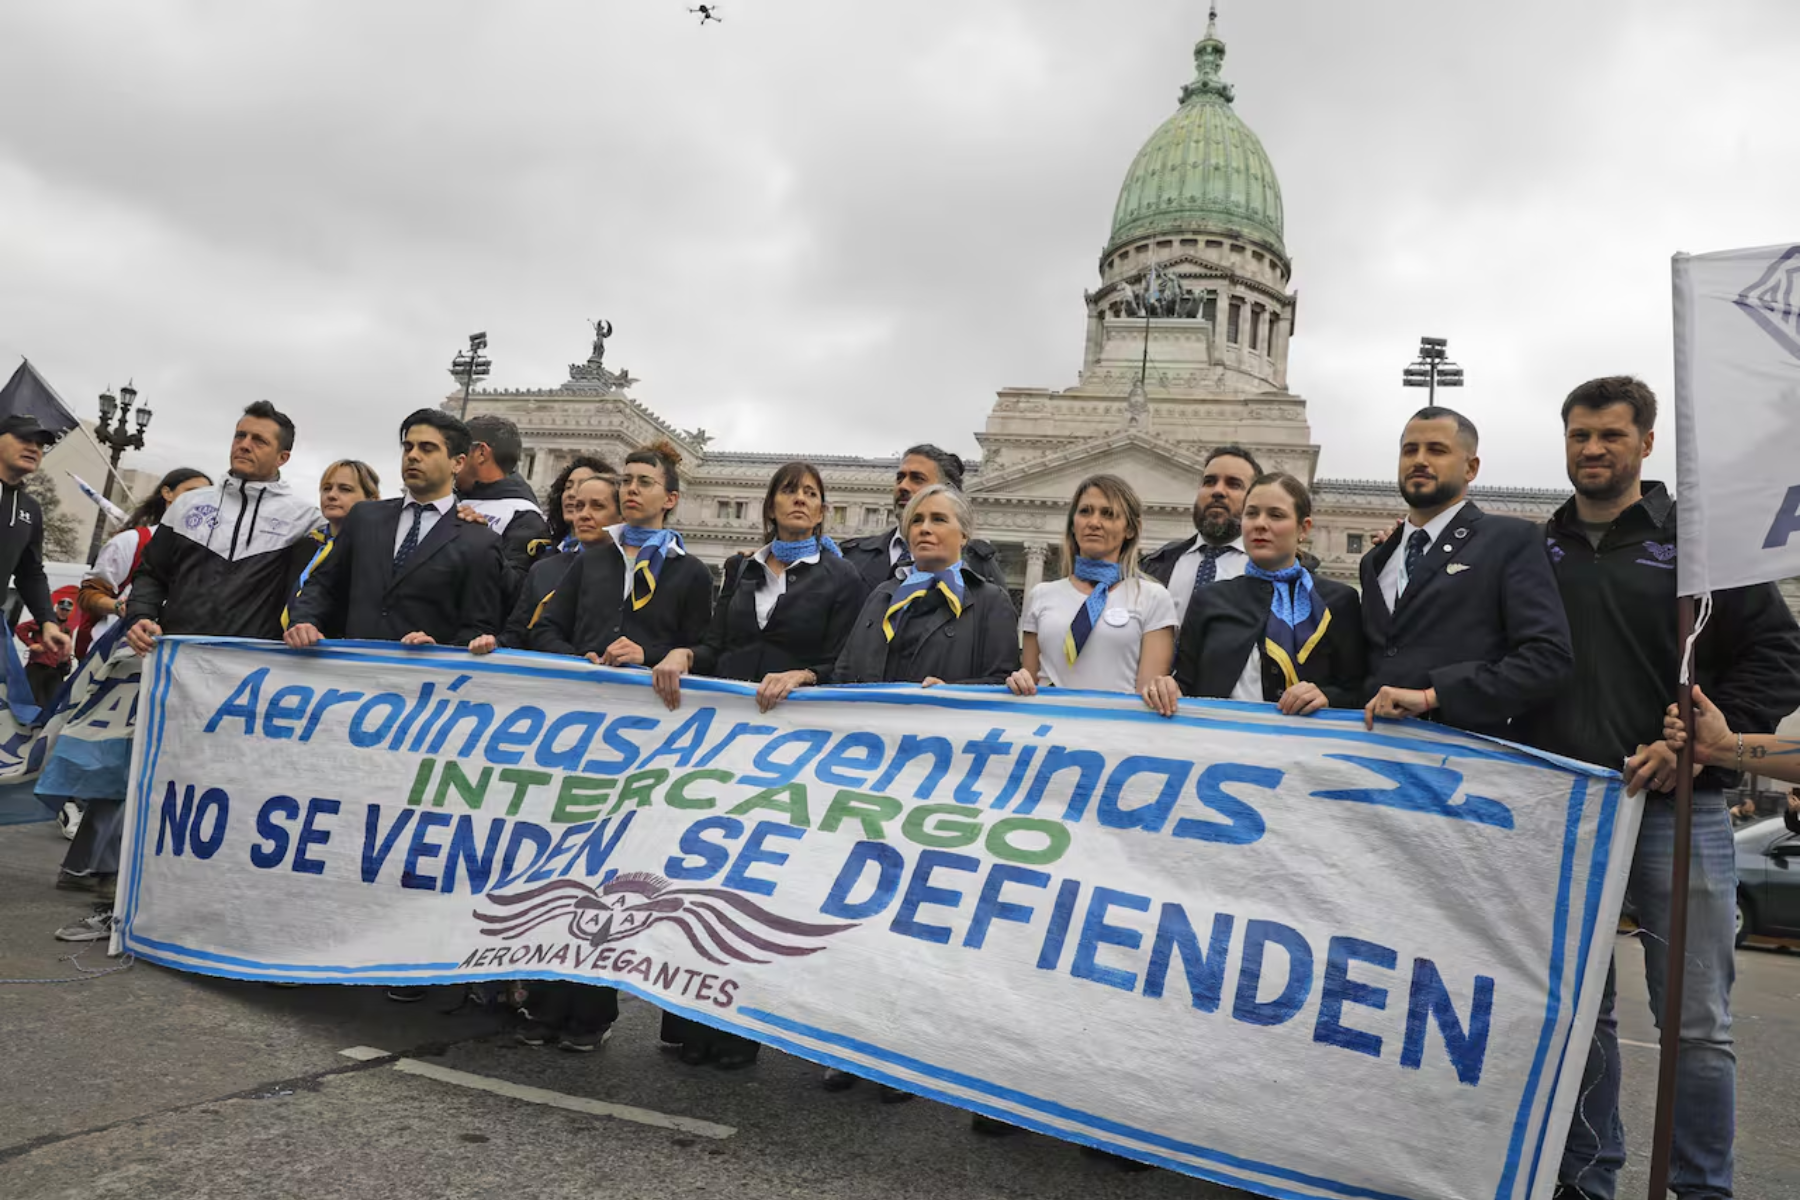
x: 1675, y: 973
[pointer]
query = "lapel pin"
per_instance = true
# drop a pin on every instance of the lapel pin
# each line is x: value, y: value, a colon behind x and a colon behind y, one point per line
x: 1456, y: 568
x: 1463, y: 532
x: 1446, y: 547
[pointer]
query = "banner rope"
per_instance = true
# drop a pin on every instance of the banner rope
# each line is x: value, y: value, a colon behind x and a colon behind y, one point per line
x: 87, y: 973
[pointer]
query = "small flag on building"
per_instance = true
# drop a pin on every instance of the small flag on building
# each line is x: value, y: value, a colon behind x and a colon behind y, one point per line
x: 113, y: 511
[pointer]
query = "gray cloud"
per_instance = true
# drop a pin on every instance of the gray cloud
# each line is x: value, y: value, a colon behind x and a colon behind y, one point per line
x: 836, y: 228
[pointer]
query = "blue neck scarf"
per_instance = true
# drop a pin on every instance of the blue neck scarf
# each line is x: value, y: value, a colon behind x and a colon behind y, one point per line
x: 793, y: 552
x: 323, y: 536
x: 652, y: 546
x: 949, y: 582
x: 1104, y: 576
x: 570, y: 544
x: 1295, y: 623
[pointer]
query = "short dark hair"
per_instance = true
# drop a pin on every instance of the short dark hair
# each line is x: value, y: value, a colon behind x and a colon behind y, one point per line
x: 1465, y: 428
x: 660, y: 453
x: 559, y: 528
x: 262, y: 410
x: 501, y: 437
x: 950, y: 466
x: 1615, y: 389
x: 1293, y: 487
x: 456, y: 434
x: 1233, y: 450
x: 791, y: 474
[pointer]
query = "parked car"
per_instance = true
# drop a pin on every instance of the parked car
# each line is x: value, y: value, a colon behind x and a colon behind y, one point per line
x: 1768, y: 870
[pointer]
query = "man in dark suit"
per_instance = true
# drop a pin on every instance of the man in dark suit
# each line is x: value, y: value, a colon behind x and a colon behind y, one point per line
x: 1460, y: 609
x: 882, y: 556
x: 408, y: 570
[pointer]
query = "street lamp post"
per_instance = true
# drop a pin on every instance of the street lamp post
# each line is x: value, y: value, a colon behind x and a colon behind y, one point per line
x: 1432, y: 369
x: 470, y: 365
x: 116, y: 434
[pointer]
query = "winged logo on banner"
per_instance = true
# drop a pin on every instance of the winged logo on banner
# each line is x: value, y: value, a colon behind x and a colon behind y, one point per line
x: 722, y: 926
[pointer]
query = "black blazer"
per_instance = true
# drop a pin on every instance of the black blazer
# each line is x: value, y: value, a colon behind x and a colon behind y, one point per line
x: 590, y: 610
x: 1225, y: 621
x: 869, y: 555
x: 545, y: 574
x: 807, y: 627
x: 449, y: 588
x: 981, y: 646
x: 1482, y: 623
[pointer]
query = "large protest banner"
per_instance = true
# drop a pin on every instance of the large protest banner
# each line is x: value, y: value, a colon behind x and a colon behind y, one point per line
x: 1280, y: 953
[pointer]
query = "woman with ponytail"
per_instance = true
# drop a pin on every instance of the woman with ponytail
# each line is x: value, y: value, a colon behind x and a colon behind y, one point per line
x: 1105, y: 628
x: 631, y: 603
x: 1278, y: 634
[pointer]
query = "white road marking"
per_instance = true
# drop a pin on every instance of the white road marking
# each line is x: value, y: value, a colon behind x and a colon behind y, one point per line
x: 1639, y: 1045
x: 544, y: 1096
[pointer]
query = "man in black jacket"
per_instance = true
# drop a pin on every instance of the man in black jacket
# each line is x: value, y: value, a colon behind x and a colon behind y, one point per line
x: 1613, y: 550
x: 408, y: 570
x: 22, y: 442
x: 489, y: 484
x: 1216, y: 551
x: 879, y: 557
x: 1460, y: 610
x: 222, y: 561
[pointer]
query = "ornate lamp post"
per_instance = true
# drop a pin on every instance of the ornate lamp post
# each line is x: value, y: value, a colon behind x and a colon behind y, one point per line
x: 468, y: 366
x: 1432, y: 369
x: 114, y: 433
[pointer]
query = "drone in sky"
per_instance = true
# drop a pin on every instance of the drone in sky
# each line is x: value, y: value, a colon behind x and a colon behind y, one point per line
x: 707, y: 12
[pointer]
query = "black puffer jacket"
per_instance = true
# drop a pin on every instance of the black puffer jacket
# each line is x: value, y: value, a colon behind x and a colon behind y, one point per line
x: 511, y: 510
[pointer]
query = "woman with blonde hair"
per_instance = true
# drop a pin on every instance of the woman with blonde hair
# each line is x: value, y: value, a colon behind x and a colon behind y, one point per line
x: 345, y: 484
x: 1105, y: 627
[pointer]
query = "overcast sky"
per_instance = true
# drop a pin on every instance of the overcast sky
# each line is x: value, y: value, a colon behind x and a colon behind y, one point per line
x: 837, y: 227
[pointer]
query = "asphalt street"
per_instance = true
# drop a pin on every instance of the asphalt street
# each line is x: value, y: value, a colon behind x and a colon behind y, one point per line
x: 150, y: 1083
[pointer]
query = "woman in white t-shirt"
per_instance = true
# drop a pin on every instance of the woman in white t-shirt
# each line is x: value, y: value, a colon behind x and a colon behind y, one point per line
x: 1105, y: 628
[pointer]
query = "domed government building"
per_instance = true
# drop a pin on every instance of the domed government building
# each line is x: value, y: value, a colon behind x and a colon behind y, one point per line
x: 1186, y: 348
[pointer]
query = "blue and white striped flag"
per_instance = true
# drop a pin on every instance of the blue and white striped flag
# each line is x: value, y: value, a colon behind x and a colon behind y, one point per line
x: 113, y: 511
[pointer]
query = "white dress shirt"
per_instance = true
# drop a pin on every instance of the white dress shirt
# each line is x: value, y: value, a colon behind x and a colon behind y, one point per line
x: 1393, y: 575
x: 774, y: 584
x: 1228, y: 565
x: 435, y: 510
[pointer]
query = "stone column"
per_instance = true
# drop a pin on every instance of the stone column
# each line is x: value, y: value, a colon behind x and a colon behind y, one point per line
x: 1034, y: 565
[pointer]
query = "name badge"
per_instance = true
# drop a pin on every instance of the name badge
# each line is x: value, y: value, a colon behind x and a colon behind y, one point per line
x: 1116, y: 617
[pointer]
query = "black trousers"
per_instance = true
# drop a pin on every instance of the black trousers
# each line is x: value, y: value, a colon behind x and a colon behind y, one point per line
x: 572, y: 1007
x: 680, y: 1031
x: 44, y: 680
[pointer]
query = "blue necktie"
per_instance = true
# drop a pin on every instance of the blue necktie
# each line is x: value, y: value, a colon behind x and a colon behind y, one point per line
x: 1207, y: 569
x: 1416, y: 546
x: 412, y: 537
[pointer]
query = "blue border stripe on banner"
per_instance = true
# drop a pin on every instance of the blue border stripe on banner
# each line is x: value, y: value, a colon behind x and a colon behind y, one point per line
x: 1553, y: 1009
x: 155, y: 725
x: 982, y: 700
x: 1596, y: 885
x: 1052, y: 1108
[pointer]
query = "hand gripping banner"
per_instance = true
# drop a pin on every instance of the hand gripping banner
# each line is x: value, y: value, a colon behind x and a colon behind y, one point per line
x: 1281, y: 953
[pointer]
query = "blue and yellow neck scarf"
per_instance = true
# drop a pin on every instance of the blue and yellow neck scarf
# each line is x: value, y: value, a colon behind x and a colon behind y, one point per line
x: 1104, y: 576
x: 1297, y: 622
x: 918, y: 583
x: 321, y: 535
x: 652, y: 546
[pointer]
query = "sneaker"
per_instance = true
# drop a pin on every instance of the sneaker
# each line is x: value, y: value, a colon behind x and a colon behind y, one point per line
x: 893, y: 1095
x: 533, y: 1033
x: 68, y: 819
x: 837, y: 1081
x: 89, y: 929
x: 586, y: 1042
x: 66, y: 882
x: 406, y: 995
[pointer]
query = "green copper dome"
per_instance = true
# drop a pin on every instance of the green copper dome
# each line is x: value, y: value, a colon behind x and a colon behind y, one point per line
x: 1202, y: 170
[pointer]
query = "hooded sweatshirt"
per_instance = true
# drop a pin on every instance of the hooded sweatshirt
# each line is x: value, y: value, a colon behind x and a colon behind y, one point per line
x: 22, y: 549
x: 223, y: 561
x: 511, y: 509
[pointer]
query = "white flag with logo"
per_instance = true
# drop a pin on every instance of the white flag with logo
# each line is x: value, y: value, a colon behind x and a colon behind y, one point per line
x: 1737, y: 413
